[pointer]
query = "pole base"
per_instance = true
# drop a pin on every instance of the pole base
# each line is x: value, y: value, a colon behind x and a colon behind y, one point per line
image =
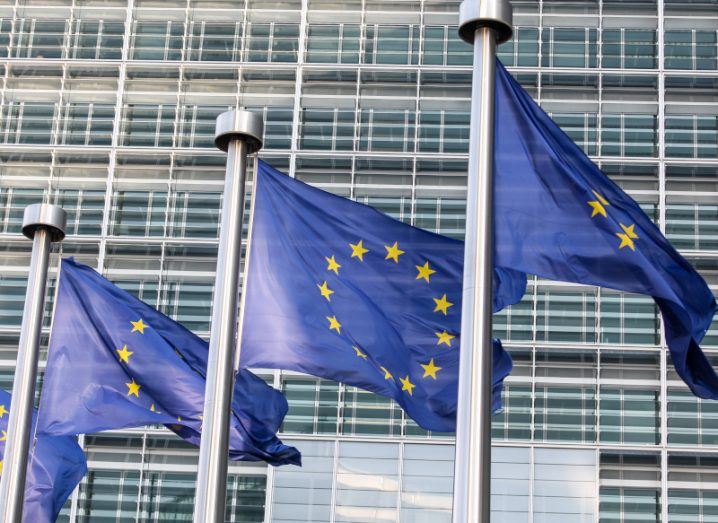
x: 496, y: 14
x: 45, y: 216
x: 239, y: 125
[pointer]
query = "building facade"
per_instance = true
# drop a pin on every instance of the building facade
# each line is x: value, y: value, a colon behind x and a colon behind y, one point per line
x: 107, y: 108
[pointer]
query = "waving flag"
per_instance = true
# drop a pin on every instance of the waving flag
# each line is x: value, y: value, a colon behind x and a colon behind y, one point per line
x: 116, y: 362
x: 57, y: 464
x: 338, y: 290
x: 558, y: 216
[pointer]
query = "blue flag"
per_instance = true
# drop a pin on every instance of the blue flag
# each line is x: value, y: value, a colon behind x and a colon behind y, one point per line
x: 338, y: 290
x: 57, y: 464
x: 559, y: 217
x: 116, y: 362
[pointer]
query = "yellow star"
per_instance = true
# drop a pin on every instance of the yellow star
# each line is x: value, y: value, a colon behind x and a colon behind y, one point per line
x: 134, y: 388
x: 358, y: 250
x: 407, y: 385
x: 599, y: 205
x: 1, y: 466
x: 154, y: 409
x: 387, y: 374
x: 334, y: 324
x: 360, y: 354
x: 442, y: 304
x: 627, y: 237
x: 4, y: 436
x: 139, y: 326
x: 333, y: 265
x: 424, y: 272
x: 393, y: 252
x: 3, y: 411
x: 430, y: 369
x: 124, y: 354
x: 445, y: 338
x: 325, y: 291
x: 598, y: 209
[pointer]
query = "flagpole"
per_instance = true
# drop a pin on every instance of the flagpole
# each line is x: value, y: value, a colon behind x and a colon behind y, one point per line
x: 43, y: 224
x: 485, y: 24
x: 238, y: 133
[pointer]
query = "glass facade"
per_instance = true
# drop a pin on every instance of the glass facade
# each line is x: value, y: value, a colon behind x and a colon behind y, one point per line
x: 107, y: 107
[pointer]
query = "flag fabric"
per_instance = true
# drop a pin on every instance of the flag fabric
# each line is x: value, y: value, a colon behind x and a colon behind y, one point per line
x: 559, y: 217
x: 116, y: 362
x: 57, y: 464
x: 339, y: 290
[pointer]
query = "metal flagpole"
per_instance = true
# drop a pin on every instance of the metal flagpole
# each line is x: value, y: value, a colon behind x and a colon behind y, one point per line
x: 238, y: 133
x: 483, y: 23
x: 43, y: 224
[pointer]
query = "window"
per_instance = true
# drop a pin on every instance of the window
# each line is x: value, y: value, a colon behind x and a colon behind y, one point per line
x: 157, y: 40
x: 513, y: 422
x: 36, y: 38
x: 387, y: 44
x: 333, y: 43
x: 273, y: 42
x: 692, y: 226
x: 27, y: 122
x: 691, y: 421
x: 138, y: 213
x: 442, y: 46
x: 148, y: 125
x: 691, y: 136
x: 215, y: 41
x: 628, y: 319
x: 327, y: 129
x: 624, y: 504
x: 691, y: 49
x: 564, y: 315
x: 84, y: 210
x: 189, y: 303
x: 12, y: 301
x: 96, y: 39
x: 197, y: 125
x: 387, y: 130
x: 629, y: 135
x: 312, y: 406
x: 13, y: 201
x: 86, y: 124
x: 195, y: 214
x: 629, y: 49
x: 569, y: 47
x: 522, y: 50
x: 565, y: 414
x: 444, y: 131
x: 629, y: 416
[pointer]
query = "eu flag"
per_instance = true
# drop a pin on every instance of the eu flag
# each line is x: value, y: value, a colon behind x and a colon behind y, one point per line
x: 116, y: 362
x: 338, y: 290
x: 558, y: 216
x: 57, y: 464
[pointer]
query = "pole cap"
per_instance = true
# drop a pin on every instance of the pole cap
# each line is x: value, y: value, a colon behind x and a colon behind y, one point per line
x: 44, y: 216
x: 496, y: 14
x: 239, y: 125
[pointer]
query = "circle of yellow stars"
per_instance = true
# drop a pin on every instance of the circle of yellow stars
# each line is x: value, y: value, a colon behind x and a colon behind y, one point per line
x: 442, y: 305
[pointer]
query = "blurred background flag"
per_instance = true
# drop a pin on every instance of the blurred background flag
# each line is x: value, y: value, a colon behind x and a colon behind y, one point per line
x: 556, y: 215
x: 57, y: 464
x: 339, y: 290
x: 116, y: 362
